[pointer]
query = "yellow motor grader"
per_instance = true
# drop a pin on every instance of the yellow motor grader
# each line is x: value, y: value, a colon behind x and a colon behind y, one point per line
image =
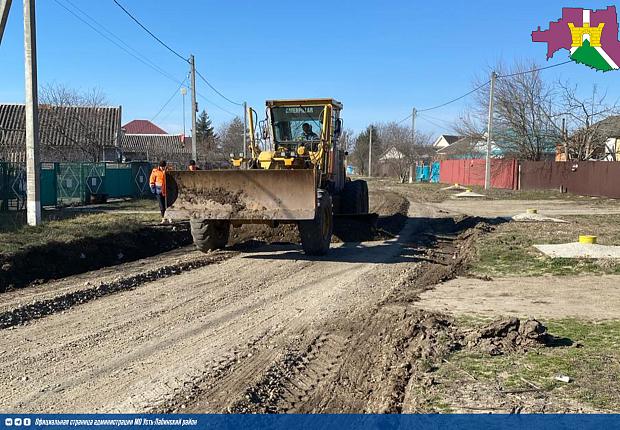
x: 295, y: 174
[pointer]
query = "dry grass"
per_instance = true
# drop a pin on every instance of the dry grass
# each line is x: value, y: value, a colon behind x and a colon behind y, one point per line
x: 509, y: 251
x: 67, y: 225
x: 592, y: 363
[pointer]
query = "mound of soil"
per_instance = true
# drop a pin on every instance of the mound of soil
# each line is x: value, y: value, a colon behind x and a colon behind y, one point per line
x: 57, y: 260
x: 509, y: 335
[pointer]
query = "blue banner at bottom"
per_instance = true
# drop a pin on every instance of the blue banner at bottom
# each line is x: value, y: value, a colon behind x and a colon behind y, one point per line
x: 282, y: 422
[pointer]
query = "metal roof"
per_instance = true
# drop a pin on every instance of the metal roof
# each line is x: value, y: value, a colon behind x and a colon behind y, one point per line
x: 154, y: 143
x: 59, y: 126
x: 142, y: 126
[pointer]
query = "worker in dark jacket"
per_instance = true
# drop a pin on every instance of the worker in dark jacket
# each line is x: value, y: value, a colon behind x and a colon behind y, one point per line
x: 157, y: 182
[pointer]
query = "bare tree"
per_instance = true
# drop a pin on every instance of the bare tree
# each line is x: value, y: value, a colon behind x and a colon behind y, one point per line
x: 525, y: 116
x: 586, y: 129
x: 359, y: 154
x: 401, y: 152
x: 346, y: 140
x: 228, y: 140
x: 82, y: 128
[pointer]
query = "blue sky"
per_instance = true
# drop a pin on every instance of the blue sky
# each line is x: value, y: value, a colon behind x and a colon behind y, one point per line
x: 380, y: 58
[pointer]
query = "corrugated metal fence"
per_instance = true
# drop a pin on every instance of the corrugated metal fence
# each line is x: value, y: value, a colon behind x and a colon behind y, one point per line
x: 504, y: 173
x: 71, y: 183
x: 589, y: 178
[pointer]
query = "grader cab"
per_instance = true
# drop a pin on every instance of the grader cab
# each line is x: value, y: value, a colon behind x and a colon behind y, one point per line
x: 295, y: 173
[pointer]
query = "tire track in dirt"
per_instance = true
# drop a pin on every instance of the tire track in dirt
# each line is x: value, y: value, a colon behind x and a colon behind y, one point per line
x: 371, y: 361
x: 43, y: 308
x: 294, y: 379
x: 202, y: 340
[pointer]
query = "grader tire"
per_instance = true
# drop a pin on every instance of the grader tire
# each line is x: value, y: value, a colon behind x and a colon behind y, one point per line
x: 355, y: 198
x: 209, y: 235
x: 316, y: 234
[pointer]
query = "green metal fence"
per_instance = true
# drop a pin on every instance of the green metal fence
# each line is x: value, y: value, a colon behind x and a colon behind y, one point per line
x: 74, y: 183
x: 12, y: 186
x: 49, y: 184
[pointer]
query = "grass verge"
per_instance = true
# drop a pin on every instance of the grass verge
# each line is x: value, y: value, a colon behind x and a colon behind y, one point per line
x: 15, y: 236
x: 509, y: 249
x: 592, y: 363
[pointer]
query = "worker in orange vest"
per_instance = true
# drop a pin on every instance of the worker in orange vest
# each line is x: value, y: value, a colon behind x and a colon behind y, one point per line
x: 192, y: 166
x: 157, y: 182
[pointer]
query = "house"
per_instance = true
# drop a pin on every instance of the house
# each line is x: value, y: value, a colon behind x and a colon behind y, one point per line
x: 445, y: 140
x: 465, y: 148
x: 142, y: 126
x: 144, y: 141
x: 66, y: 133
x: 395, y: 163
x: 155, y: 147
x: 392, y: 163
x: 610, y: 130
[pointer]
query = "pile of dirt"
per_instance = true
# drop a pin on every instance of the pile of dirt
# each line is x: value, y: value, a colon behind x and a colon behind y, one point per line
x: 56, y: 260
x: 248, y: 235
x: 510, y: 335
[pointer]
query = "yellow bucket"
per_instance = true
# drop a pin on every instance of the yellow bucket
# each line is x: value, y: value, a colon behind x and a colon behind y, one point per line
x: 587, y: 239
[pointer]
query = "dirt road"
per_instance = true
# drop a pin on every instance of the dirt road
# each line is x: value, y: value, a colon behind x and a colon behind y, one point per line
x: 260, y: 329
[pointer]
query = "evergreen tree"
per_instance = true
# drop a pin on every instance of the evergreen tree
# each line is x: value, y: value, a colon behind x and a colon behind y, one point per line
x: 205, y: 136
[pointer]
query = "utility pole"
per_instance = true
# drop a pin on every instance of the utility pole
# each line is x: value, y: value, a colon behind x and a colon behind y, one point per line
x: 33, y: 201
x: 183, y: 93
x: 565, y: 139
x: 5, y: 6
x: 414, y: 112
x: 370, y: 152
x: 192, y: 63
x: 245, y: 128
x: 487, y: 171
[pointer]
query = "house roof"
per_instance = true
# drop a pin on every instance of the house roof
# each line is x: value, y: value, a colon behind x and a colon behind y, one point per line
x: 449, y: 138
x: 142, y: 126
x: 155, y: 144
x: 610, y: 126
x: 63, y: 126
x: 463, y: 146
x: 392, y: 154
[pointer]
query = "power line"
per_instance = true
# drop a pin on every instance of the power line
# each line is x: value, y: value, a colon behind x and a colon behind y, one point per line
x: 405, y: 119
x: 127, y: 49
x: 424, y: 118
x: 535, y: 70
x: 445, y: 121
x: 149, y: 32
x: 216, y: 105
x: 215, y: 89
x: 175, y: 53
x: 169, y: 100
x: 455, y: 99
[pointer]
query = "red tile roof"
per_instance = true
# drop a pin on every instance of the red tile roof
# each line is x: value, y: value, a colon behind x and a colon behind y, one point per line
x: 142, y: 126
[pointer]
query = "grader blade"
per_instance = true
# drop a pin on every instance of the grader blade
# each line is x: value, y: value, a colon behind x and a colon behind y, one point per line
x: 241, y: 195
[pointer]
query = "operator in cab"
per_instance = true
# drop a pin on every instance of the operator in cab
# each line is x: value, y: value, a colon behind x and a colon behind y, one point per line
x: 157, y: 181
x: 307, y: 133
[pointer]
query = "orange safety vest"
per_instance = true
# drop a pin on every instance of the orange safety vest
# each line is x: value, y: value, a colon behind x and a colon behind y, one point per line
x: 158, y: 178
